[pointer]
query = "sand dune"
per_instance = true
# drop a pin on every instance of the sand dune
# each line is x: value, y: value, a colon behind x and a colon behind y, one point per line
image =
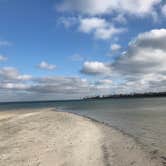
x: 49, y: 138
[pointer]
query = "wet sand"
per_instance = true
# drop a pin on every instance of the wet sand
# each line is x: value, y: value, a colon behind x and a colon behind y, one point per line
x: 48, y: 138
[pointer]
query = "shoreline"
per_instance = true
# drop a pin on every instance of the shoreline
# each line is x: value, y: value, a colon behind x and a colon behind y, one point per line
x: 153, y: 153
x: 109, y: 145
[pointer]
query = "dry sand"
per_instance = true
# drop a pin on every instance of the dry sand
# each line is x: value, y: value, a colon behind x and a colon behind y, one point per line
x: 49, y: 138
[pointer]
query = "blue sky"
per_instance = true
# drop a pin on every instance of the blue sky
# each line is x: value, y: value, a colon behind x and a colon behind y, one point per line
x: 81, y: 48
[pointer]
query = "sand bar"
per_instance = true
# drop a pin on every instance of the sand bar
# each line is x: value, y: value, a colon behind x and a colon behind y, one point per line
x: 49, y: 138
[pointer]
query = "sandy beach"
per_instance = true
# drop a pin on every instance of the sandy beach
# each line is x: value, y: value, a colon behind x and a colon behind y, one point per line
x: 49, y: 138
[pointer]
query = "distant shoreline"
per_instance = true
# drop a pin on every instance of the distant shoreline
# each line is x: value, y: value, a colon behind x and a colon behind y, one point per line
x: 132, y: 95
x: 126, y: 96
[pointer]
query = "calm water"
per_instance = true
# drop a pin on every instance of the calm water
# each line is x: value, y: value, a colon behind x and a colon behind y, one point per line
x: 144, y: 119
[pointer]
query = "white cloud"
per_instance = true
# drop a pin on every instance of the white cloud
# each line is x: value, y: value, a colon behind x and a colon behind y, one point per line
x: 155, y: 39
x: 3, y: 58
x: 99, y: 27
x: 9, y: 73
x: 46, y: 88
x: 68, y: 21
x: 146, y: 55
x: 60, y: 85
x: 115, y: 47
x: 108, y: 33
x: 105, y: 81
x: 95, y: 68
x: 143, y: 65
x: 14, y: 86
x: 141, y: 68
x: 96, y: 7
x: 46, y: 66
x: 120, y: 18
x: 24, y: 77
x: 22, y: 87
x: 88, y: 25
x: 12, y: 74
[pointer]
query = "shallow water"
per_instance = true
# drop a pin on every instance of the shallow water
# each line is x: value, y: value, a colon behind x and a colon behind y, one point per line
x: 144, y: 118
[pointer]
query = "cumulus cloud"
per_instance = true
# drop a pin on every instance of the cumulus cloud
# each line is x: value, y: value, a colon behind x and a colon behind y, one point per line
x: 54, y: 87
x: 46, y: 66
x: 99, y: 27
x: 91, y: 14
x: 62, y: 85
x: 141, y: 68
x: 144, y: 64
x: 115, y: 47
x: 146, y: 54
x: 88, y: 25
x: 98, y: 7
x: 95, y: 68
x: 107, y: 33
x: 120, y: 18
x: 3, y: 58
x: 13, y: 84
x: 153, y: 39
x: 68, y: 21
x: 12, y: 74
x: 48, y: 88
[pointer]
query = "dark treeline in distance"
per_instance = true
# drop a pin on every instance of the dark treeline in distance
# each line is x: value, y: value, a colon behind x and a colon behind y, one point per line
x: 132, y: 95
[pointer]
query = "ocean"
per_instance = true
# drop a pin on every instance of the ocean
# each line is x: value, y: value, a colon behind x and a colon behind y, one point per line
x: 142, y: 118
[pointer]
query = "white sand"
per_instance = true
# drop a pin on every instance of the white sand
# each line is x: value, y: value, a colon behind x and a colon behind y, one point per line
x: 49, y: 138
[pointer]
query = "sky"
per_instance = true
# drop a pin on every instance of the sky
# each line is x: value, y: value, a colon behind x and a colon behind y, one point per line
x: 69, y: 49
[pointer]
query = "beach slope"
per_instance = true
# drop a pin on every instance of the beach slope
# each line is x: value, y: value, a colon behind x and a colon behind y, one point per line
x: 50, y: 138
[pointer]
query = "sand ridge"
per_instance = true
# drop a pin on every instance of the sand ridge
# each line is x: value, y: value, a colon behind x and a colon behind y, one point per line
x: 49, y: 138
